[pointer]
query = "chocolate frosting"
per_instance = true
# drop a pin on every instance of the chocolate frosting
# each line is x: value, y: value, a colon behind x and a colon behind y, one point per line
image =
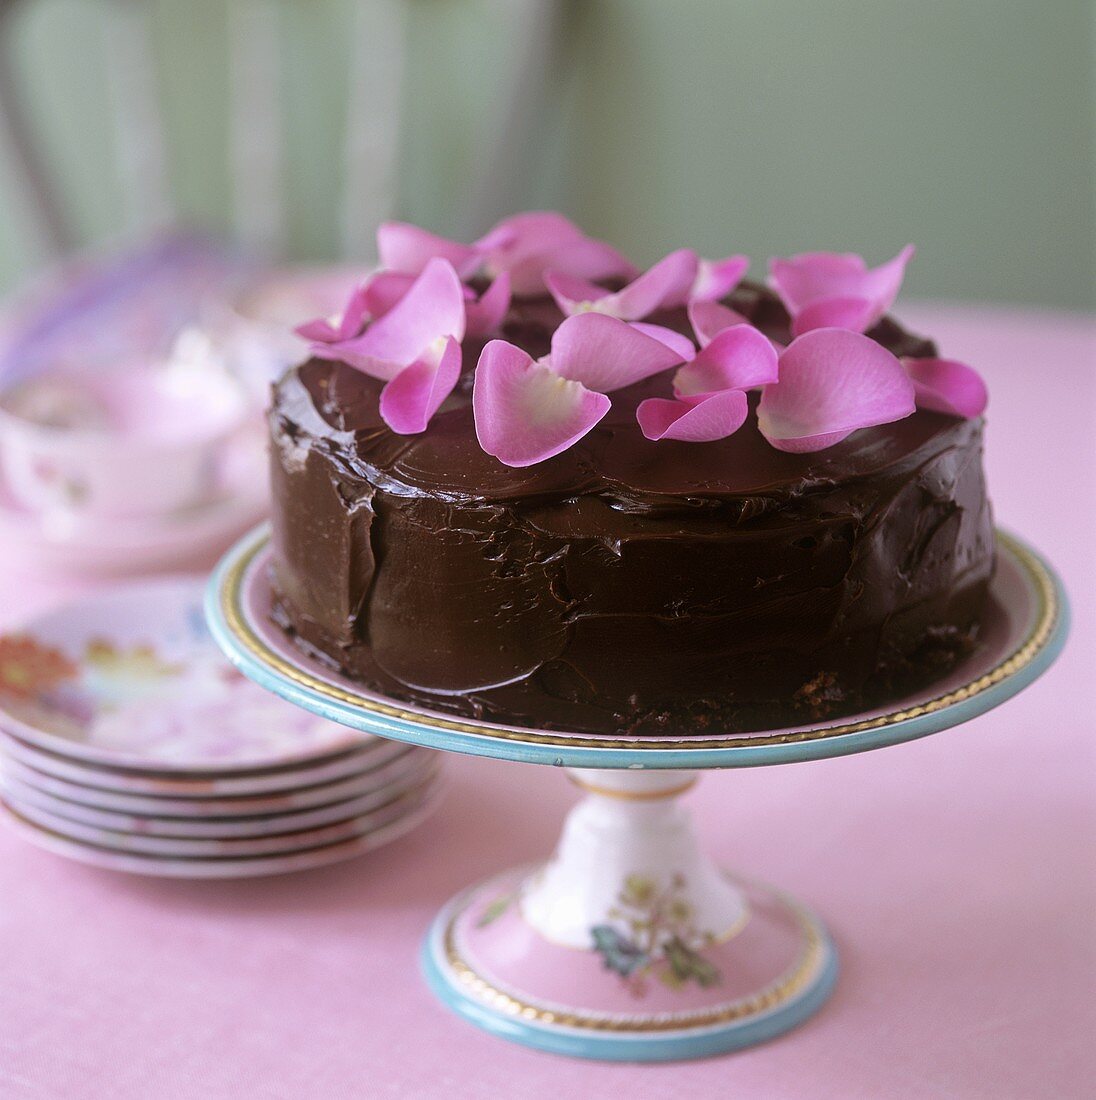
x: 625, y: 585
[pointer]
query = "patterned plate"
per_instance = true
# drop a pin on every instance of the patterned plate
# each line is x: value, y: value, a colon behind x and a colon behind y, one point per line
x: 394, y: 806
x: 243, y: 806
x: 130, y: 678
x: 20, y: 794
x: 371, y: 755
x: 215, y: 868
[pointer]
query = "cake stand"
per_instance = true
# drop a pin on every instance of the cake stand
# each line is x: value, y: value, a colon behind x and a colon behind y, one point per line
x: 629, y: 944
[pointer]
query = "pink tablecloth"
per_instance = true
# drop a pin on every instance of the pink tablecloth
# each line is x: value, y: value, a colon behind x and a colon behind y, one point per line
x: 957, y: 873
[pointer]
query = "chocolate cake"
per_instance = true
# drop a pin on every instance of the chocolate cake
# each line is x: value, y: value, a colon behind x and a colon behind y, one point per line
x: 626, y: 584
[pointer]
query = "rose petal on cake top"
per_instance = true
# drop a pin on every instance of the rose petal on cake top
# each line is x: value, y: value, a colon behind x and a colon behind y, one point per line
x: 385, y: 291
x: 605, y: 354
x: 738, y: 358
x: 947, y: 386
x: 854, y: 314
x: 586, y: 259
x: 666, y: 282
x: 325, y: 330
x: 378, y: 295
x: 410, y: 399
x: 710, y: 318
x: 527, y: 245
x: 407, y: 249
x: 532, y: 232
x: 486, y: 313
x: 433, y: 307
x: 675, y: 341
x: 831, y: 383
x: 525, y: 412
x: 813, y: 277
x: 717, y: 278
x: 574, y: 294
x: 835, y: 265
x: 700, y: 419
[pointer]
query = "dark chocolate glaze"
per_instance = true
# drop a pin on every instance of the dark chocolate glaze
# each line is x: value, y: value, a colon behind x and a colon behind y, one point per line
x: 625, y: 585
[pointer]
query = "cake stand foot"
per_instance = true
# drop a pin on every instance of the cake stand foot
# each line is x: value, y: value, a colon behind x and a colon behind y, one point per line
x: 629, y: 944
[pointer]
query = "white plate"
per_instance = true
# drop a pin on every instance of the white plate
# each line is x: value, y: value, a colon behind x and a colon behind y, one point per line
x: 20, y: 794
x: 243, y: 806
x: 394, y: 805
x: 215, y: 868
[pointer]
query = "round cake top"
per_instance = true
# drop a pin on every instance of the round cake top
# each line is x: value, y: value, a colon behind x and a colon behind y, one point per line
x: 536, y: 361
x: 323, y: 398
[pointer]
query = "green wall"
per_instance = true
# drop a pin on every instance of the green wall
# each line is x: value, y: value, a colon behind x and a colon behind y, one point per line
x: 766, y: 126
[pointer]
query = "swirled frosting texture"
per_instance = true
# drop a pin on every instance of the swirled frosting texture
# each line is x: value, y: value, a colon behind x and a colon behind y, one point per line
x: 625, y: 585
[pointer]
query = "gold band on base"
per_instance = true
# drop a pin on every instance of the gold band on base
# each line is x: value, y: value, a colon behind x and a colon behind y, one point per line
x: 633, y: 796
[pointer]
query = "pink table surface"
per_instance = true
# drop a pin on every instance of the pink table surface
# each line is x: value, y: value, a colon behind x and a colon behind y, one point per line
x: 957, y: 873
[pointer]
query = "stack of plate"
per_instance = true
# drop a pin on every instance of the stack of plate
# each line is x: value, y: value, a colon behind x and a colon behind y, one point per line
x: 127, y: 741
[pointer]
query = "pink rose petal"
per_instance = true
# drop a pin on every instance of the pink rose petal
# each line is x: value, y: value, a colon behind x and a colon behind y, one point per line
x: 738, y: 358
x: 526, y: 245
x: 604, y: 353
x: 832, y: 264
x: 717, y: 278
x: 809, y: 443
x: 710, y: 318
x: 410, y: 399
x: 433, y: 307
x: 320, y: 330
x: 407, y: 249
x: 354, y: 316
x: 811, y: 277
x: 883, y: 282
x: 573, y: 294
x: 587, y: 259
x: 699, y: 419
x: 525, y: 412
x: 385, y: 291
x: 533, y: 232
x: 665, y: 283
x: 675, y: 341
x: 947, y: 386
x: 831, y: 383
x: 486, y: 313
x: 855, y: 314
x: 369, y: 302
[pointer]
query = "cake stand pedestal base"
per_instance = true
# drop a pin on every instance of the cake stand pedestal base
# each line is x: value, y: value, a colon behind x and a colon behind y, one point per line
x: 629, y: 944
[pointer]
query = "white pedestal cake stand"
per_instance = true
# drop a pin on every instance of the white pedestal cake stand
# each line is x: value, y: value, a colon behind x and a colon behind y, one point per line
x: 630, y: 944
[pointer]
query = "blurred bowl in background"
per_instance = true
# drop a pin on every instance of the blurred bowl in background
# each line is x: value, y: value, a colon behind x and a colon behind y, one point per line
x: 137, y: 441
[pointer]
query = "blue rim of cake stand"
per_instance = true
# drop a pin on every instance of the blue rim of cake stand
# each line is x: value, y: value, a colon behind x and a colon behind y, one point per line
x: 350, y: 705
